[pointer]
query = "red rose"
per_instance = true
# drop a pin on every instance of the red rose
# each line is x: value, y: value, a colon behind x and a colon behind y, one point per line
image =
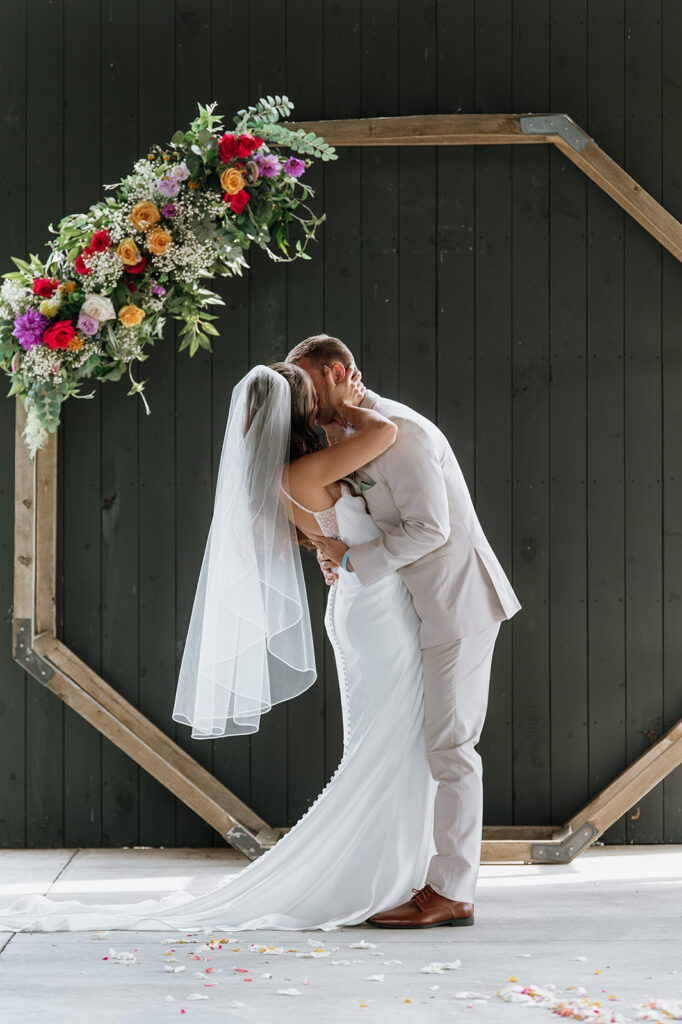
x: 45, y: 287
x: 227, y: 147
x: 238, y: 201
x: 247, y: 143
x: 100, y: 241
x: 59, y: 335
x: 132, y: 287
x: 137, y: 268
x: 80, y: 264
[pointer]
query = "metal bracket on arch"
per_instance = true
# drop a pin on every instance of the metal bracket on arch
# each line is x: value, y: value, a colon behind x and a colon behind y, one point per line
x: 34, y: 663
x: 567, y: 849
x: 555, y: 124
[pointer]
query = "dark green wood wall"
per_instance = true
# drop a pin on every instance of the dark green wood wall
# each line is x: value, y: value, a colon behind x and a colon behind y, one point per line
x: 494, y: 289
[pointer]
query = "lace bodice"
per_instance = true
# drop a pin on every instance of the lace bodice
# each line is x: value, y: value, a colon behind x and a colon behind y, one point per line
x: 326, y: 519
x: 328, y: 522
x: 347, y: 520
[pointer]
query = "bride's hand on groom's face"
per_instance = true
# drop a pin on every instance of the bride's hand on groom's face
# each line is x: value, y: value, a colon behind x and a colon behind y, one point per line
x: 345, y: 390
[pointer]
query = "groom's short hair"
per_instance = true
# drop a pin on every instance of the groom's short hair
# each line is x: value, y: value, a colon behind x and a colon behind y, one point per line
x: 321, y: 350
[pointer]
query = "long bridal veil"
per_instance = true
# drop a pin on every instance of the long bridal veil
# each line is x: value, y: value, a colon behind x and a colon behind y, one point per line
x: 249, y: 643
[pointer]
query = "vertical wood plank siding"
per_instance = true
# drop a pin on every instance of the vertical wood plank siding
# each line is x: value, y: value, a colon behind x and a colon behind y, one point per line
x: 495, y: 289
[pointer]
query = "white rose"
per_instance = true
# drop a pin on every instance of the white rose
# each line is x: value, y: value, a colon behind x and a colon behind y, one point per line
x: 100, y: 307
x: 179, y: 172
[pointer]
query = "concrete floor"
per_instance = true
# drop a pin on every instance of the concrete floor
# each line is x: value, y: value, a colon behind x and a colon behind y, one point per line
x: 618, y: 909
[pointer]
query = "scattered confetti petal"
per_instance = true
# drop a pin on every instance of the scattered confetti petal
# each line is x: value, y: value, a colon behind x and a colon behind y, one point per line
x: 122, y: 957
x: 169, y: 969
x: 670, y: 1008
x: 436, y: 968
x: 288, y: 992
x: 392, y: 963
x: 548, y: 997
x: 340, y: 963
x: 314, y: 955
x: 235, y: 1004
x: 169, y: 999
x: 578, y: 958
x: 376, y: 977
x: 363, y: 945
x: 196, y: 995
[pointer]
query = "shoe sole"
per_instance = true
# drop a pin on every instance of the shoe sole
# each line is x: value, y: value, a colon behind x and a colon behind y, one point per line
x: 455, y: 922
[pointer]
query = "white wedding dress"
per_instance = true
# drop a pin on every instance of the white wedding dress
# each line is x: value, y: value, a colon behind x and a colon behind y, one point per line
x: 367, y: 840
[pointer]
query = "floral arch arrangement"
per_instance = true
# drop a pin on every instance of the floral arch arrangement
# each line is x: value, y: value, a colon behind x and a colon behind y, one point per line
x: 188, y: 211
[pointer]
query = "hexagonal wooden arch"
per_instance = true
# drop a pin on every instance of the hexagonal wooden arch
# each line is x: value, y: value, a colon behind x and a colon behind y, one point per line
x: 38, y: 649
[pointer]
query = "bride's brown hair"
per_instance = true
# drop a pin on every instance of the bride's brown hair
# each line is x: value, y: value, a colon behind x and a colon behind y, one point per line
x: 304, y: 439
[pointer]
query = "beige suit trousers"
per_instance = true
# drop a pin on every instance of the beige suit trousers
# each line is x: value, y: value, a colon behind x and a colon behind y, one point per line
x: 456, y: 684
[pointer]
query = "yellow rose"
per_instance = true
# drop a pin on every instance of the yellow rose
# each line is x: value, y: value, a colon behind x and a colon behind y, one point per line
x: 145, y: 215
x: 128, y: 253
x: 159, y: 241
x: 232, y: 180
x: 131, y: 316
x: 50, y: 307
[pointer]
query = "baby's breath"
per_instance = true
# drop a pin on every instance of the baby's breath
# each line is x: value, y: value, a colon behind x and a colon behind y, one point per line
x: 128, y: 342
x: 15, y: 296
x: 105, y: 270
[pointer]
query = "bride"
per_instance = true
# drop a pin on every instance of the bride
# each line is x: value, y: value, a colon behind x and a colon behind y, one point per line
x: 367, y: 840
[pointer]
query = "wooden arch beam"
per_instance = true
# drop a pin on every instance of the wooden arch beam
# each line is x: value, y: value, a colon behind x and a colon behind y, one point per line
x: 504, y: 130
x: 39, y: 651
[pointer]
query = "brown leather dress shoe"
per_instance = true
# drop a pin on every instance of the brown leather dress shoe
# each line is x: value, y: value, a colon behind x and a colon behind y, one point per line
x: 426, y: 909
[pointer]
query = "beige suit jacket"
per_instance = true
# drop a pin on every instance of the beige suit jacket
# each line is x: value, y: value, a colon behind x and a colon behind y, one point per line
x: 432, y: 535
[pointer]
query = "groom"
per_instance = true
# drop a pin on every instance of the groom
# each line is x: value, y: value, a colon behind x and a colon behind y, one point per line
x: 417, y: 494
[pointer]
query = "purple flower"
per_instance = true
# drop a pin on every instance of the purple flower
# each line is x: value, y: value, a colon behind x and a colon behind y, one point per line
x: 169, y: 210
x: 88, y: 324
x: 168, y: 187
x: 294, y: 167
x: 29, y: 328
x: 158, y: 289
x: 269, y: 166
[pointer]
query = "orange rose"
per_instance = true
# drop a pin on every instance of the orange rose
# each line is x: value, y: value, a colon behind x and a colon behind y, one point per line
x: 128, y: 253
x: 232, y: 180
x: 131, y: 316
x: 76, y: 343
x: 159, y: 241
x: 70, y: 287
x: 145, y: 215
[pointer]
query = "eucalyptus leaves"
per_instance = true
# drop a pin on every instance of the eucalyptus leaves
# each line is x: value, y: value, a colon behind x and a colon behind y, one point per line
x: 187, y: 213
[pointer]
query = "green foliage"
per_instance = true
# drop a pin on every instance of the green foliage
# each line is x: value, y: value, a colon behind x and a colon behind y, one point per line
x: 267, y: 109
